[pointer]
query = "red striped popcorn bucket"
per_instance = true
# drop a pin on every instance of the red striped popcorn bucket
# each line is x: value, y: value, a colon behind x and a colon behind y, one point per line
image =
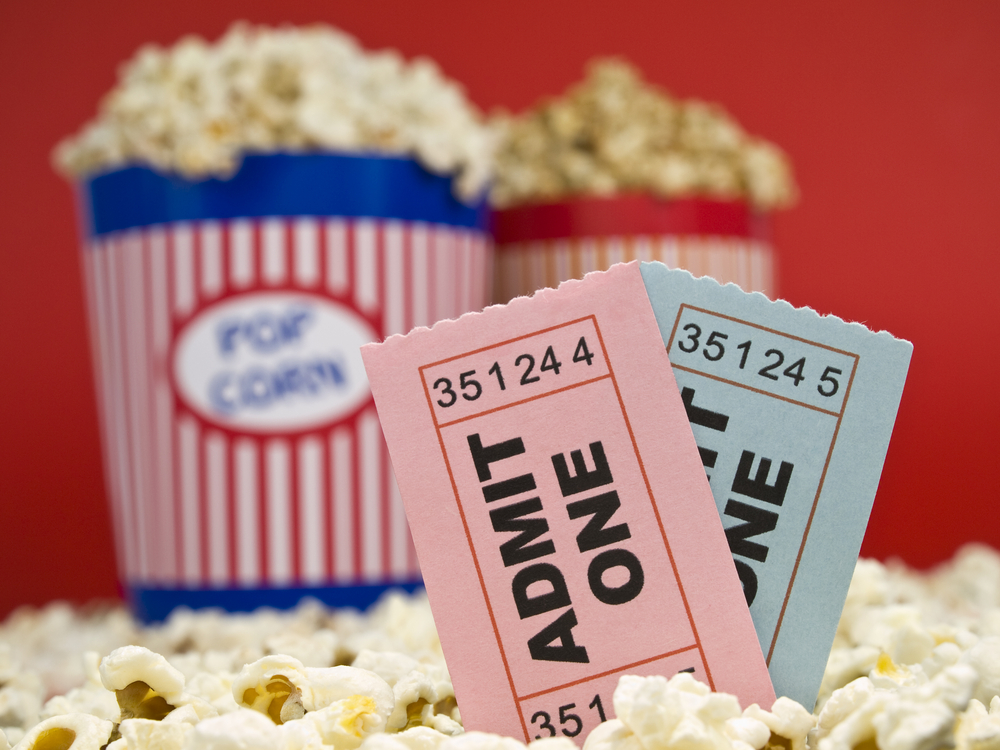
x: 540, y: 245
x: 244, y: 459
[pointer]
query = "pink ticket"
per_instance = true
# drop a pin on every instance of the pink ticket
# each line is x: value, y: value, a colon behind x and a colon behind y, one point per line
x: 560, y: 511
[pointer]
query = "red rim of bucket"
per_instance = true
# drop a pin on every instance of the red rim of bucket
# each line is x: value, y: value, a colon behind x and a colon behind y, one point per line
x: 629, y: 215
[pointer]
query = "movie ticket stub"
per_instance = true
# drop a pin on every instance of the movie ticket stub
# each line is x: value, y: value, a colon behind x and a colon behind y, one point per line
x: 792, y: 413
x: 565, y: 529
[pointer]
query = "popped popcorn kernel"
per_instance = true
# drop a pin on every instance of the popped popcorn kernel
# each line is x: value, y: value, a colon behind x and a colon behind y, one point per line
x: 281, y: 688
x: 977, y: 728
x: 141, y: 676
x: 615, y: 133
x: 244, y: 729
x: 56, y: 738
x: 680, y: 712
x: 343, y: 724
x: 889, y: 703
x: 481, y: 741
x: 354, y: 708
x: 139, y: 701
x: 68, y: 732
x: 313, y: 650
x: 841, y: 704
x: 985, y: 655
x: 145, y: 733
x: 888, y: 674
x: 391, y: 666
x: 612, y: 735
x: 788, y: 723
x: 418, y: 738
x: 745, y: 731
x: 419, y: 699
x: 552, y: 743
x: 267, y: 686
x: 196, y: 108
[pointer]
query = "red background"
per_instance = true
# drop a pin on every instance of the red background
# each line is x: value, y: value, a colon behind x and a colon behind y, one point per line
x: 890, y: 111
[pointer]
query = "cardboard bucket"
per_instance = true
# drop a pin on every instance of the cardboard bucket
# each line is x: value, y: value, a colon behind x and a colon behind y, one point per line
x: 540, y: 245
x: 244, y: 459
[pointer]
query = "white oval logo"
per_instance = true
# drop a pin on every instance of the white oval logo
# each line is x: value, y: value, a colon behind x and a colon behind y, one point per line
x: 273, y: 362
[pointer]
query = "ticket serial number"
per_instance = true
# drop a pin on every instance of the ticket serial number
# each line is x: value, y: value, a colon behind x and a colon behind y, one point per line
x: 569, y: 722
x: 761, y: 358
x: 511, y: 371
x: 524, y: 364
x: 586, y: 710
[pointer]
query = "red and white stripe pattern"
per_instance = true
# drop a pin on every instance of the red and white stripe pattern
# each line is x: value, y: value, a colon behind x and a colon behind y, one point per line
x: 524, y: 267
x: 196, y: 505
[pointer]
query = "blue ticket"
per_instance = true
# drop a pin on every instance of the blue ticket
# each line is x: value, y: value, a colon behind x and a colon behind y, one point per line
x: 792, y: 413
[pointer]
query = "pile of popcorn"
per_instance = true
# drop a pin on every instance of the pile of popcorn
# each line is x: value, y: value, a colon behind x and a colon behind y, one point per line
x: 615, y: 133
x: 196, y: 108
x: 915, y: 666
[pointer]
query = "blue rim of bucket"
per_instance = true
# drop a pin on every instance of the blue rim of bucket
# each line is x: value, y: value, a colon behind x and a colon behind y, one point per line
x: 315, y: 184
x: 155, y: 604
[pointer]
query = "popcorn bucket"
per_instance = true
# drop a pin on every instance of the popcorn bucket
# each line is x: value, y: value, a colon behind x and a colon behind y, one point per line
x: 540, y: 245
x: 244, y: 458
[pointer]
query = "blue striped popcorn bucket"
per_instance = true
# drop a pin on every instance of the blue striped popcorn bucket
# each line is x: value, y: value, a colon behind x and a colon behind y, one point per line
x: 244, y: 460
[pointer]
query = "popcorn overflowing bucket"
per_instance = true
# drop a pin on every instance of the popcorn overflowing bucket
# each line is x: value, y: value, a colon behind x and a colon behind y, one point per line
x: 244, y: 458
x: 542, y: 244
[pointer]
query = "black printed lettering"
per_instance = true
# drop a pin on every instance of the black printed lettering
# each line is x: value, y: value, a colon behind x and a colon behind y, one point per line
x: 758, y: 488
x: 549, y: 599
x: 595, y: 534
x: 510, y: 518
x: 749, y: 580
x: 713, y: 420
x: 708, y: 457
x: 584, y: 479
x: 540, y: 646
x: 508, y: 487
x: 483, y: 456
x: 615, y: 558
x: 758, y: 521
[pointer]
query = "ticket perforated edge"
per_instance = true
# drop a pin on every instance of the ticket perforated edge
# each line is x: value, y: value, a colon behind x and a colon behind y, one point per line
x: 792, y: 413
x: 559, y: 508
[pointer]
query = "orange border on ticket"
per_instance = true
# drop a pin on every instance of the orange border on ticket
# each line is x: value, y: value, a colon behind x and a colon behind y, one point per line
x: 839, y: 415
x: 438, y: 427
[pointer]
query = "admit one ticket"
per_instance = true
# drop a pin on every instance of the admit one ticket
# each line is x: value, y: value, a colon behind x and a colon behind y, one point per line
x: 792, y: 413
x: 559, y: 508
